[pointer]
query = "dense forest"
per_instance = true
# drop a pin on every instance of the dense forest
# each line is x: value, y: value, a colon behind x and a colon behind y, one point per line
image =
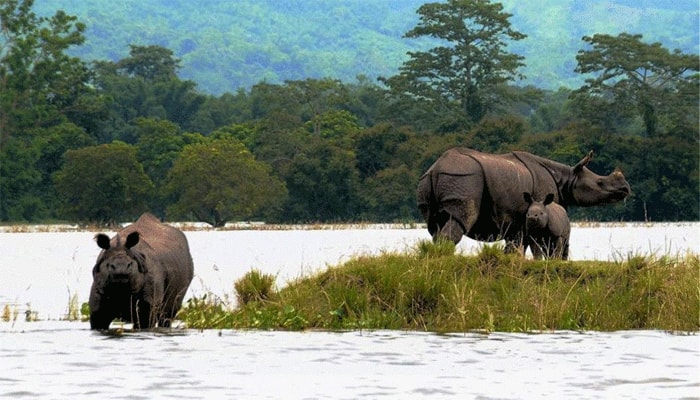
x: 227, y: 45
x: 104, y: 140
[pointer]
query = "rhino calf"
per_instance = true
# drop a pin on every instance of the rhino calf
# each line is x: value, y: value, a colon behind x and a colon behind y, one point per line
x: 547, y: 228
x: 141, y: 275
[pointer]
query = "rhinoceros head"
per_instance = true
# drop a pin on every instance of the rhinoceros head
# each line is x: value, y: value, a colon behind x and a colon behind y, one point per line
x: 590, y: 189
x: 537, y: 216
x: 120, y: 266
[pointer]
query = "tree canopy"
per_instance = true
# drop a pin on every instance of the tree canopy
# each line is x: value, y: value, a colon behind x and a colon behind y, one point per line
x: 104, y: 183
x: 464, y: 74
x: 104, y: 141
x: 638, y: 78
x: 219, y: 180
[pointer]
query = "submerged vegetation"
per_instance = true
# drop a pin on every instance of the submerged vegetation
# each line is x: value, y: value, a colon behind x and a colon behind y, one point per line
x: 435, y: 290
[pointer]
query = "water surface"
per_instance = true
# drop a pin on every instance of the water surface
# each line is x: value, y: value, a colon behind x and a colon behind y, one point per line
x: 43, y: 270
x: 56, y: 359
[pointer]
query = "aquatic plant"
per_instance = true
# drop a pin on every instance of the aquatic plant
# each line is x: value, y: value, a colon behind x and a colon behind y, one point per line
x: 74, y: 308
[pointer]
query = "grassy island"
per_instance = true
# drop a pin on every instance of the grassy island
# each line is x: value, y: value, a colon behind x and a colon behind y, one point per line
x: 433, y: 289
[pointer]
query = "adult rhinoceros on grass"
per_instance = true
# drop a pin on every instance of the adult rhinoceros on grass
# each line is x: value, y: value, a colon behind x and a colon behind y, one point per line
x: 466, y: 192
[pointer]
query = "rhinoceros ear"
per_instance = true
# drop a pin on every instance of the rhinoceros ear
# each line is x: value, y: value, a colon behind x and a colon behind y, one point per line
x: 132, y: 240
x: 528, y: 197
x: 549, y: 199
x: 584, y: 162
x: 102, y: 241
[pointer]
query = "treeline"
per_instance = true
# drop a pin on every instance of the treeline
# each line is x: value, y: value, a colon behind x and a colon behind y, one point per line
x: 105, y: 141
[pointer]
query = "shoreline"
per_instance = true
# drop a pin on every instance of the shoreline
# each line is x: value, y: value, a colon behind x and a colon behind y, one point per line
x: 262, y: 226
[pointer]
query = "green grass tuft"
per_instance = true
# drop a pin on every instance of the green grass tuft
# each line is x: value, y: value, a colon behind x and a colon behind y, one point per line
x: 254, y: 286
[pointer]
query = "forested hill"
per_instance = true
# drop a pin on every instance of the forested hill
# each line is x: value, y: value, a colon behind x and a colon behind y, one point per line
x: 225, y: 46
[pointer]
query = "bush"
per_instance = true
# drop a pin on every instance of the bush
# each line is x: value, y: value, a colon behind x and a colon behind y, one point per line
x: 254, y: 286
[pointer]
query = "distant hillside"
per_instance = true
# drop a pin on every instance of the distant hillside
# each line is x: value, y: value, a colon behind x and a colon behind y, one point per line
x: 225, y: 46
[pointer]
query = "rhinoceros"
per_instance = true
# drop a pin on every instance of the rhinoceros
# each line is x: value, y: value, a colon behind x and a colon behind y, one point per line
x: 141, y: 275
x: 466, y: 192
x: 547, y: 228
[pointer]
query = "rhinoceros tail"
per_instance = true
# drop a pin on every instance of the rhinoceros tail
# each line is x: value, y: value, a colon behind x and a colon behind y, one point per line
x: 427, y: 201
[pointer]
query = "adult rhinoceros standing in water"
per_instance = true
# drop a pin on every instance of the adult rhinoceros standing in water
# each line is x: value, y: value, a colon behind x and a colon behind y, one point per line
x: 141, y: 275
x: 466, y: 192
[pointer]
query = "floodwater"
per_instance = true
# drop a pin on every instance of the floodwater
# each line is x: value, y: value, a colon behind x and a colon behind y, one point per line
x: 59, y: 359
x: 41, y: 271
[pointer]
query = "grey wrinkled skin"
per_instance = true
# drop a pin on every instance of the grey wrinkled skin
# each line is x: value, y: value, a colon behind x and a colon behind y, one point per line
x: 141, y: 275
x: 466, y: 192
x: 547, y: 228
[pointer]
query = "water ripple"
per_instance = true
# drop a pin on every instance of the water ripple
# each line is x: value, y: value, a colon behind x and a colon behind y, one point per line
x: 74, y: 362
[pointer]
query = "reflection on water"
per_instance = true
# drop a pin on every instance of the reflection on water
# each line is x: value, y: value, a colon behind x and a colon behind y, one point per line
x: 55, y: 359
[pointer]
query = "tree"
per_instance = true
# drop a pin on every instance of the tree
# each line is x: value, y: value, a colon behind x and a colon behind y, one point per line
x: 219, y: 180
x: 493, y: 135
x: 322, y: 179
x: 389, y: 195
x: 145, y: 84
x: 463, y: 76
x: 636, y: 78
x: 103, y: 184
x: 40, y: 86
x: 376, y: 148
x: 150, y: 63
x: 317, y: 97
x: 37, y: 79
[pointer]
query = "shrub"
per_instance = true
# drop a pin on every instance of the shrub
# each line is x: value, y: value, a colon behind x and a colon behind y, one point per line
x: 254, y: 286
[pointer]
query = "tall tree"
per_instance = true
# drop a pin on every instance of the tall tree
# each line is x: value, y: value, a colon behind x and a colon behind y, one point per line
x: 464, y: 75
x: 322, y: 180
x: 151, y: 63
x: 104, y: 184
x: 145, y: 84
x: 636, y: 78
x: 316, y: 97
x: 36, y: 77
x: 218, y: 180
x: 39, y: 86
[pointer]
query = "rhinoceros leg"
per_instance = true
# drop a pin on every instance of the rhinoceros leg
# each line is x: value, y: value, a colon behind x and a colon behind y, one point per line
x: 459, y: 202
x: 451, y: 230
x: 562, y: 249
x: 100, y: 320
x: 142, y: 315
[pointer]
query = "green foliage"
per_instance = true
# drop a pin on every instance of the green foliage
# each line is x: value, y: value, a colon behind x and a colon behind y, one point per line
x: 638, y: 78
x: 441, y: 248
x: 253, y: 41
x: 254, y: 286
x: 145, y: 85
x: 85, y: 311
x: 388, y: 195
x: 345, y: 151
x: 206, y: 312
x: 103, y: 184
x: 493, y: 135
x: 464, y: 71
x: 322, y: 181
x: 219, y: 180
x: 451, y: 293
x: 40, y: 86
